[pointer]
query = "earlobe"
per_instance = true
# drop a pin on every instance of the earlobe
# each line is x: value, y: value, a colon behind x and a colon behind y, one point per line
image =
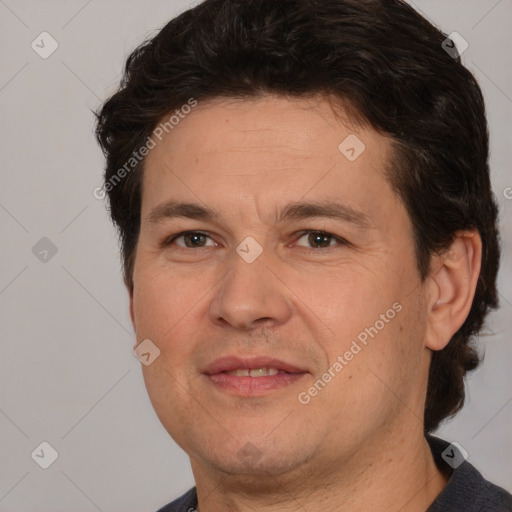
x: 451, y: 288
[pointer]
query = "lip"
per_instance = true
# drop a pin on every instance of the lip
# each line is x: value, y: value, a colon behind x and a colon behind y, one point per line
x: 227, y: 364
x: 251, y: 386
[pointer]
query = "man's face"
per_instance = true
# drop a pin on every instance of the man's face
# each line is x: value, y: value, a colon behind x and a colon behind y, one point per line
x: 213, y: 304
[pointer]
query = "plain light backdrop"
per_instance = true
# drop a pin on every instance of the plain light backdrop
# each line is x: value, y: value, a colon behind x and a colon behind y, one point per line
x: 68, y: 375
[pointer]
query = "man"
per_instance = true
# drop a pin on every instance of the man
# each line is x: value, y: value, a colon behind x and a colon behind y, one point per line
x: 309, y: 242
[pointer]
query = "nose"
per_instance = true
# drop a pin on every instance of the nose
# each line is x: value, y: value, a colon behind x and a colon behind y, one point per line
x: 251, y: 295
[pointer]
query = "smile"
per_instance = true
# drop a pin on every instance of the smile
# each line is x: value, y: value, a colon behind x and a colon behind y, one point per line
x: 256, y: 372
x: 255, y: 376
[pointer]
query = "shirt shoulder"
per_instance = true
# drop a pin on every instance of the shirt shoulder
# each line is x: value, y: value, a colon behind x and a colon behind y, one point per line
x: 467, y: 490
x: 185, y: 503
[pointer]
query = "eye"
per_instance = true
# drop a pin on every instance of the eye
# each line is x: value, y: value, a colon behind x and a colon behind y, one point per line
x: 321, y: 239
x: 199, y: 240
x: 190, y: 240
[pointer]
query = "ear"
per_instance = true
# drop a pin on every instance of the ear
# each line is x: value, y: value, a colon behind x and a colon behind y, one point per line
x: 451, y: 287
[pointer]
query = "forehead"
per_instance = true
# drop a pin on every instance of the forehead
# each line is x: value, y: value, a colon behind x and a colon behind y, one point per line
x: 260, y: 150
x: 300, y: 128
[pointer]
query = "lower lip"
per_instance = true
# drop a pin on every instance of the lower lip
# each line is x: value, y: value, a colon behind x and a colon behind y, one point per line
x: 251, y: 386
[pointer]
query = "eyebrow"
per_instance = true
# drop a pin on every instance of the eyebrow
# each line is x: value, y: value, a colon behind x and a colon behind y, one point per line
x: 301, y: 210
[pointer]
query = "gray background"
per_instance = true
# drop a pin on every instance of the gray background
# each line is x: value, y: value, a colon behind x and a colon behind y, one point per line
x: 68, y: 375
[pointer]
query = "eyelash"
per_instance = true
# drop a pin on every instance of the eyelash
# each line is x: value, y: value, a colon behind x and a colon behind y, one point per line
x: 171, y: 239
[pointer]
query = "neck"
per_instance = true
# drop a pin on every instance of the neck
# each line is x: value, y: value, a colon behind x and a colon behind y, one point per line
x: 394, y: 472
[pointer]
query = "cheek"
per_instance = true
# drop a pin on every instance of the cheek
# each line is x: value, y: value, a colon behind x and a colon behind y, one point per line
x: 377, y: 377
x: 377, y: 326
x: 168, y: 398
x: 349, y: 301
x: 162, y: 301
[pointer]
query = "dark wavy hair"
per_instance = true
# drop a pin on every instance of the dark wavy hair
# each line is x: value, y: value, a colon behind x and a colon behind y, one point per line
x: 378, y: 56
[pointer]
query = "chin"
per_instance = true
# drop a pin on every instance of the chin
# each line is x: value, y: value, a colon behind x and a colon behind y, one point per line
x: 257, y: 458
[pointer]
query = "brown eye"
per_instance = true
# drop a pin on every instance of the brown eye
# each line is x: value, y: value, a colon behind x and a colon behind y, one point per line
x: 191, y: 240
x: 319, y: 239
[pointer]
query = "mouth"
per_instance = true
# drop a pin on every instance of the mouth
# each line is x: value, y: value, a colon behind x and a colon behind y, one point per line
x: 252, y: 376
x: 255, y: 372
